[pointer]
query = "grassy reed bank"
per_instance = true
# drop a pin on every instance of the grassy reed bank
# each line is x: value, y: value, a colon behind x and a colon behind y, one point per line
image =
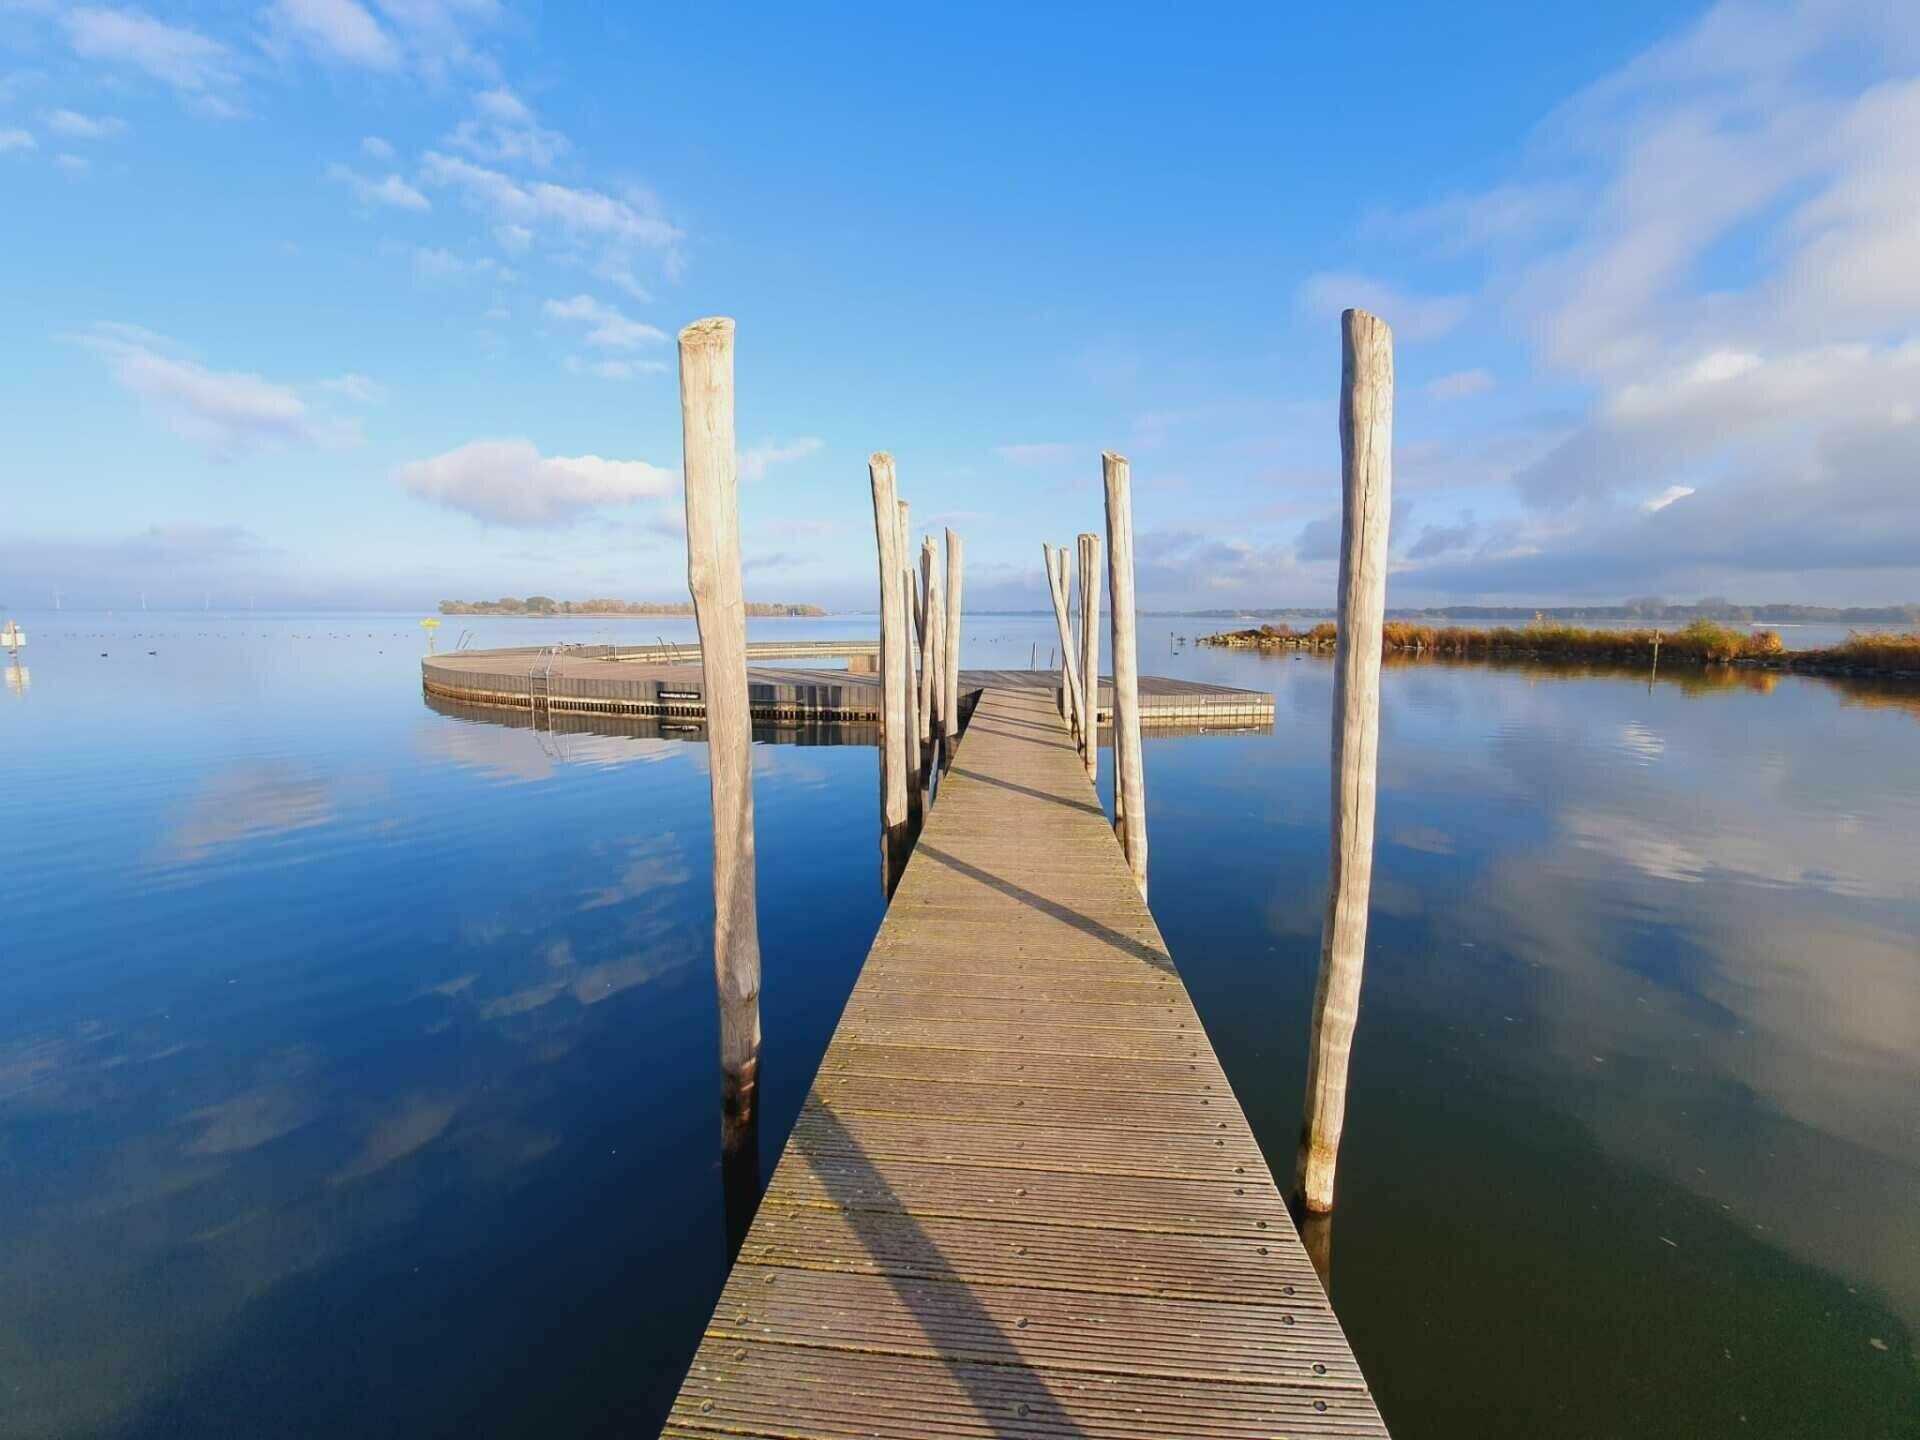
x: 1701, y: 643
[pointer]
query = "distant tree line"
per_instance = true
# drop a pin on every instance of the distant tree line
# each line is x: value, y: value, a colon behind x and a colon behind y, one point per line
x: 547, y: 605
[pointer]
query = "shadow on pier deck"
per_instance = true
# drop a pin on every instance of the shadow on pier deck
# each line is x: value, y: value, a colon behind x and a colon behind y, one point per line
x: 1021, y: 1198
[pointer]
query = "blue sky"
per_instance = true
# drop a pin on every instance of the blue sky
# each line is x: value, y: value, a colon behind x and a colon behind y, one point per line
x: 369, y: 302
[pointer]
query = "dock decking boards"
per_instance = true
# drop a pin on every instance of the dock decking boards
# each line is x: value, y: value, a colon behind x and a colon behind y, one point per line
x: 585, y: 681
x: 1021, y: 1198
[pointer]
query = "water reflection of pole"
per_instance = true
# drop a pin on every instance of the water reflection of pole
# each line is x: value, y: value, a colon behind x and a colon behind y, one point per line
x: 1316, y: 1234
x: 713, y: 575
x: 740, y: 1181
x: 1366, y: 468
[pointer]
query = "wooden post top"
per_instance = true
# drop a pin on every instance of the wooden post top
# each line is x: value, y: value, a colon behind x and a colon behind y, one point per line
x: 714, y: 330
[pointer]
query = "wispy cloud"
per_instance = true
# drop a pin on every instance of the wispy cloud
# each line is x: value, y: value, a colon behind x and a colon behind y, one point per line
x: 579, y: 212
x: 200, y: 69
x: 333, y: 30
x: 391, y: 191
x: 433, y: 263
x: 1460, y: 384
x: 353, y: 387
x: 621, y: 278
x: 76, y: 126
x: 756, y: 460
x: 228, y: 412
x: 503, y: 130
x: 374, y: 148
x: 1412, y: 317
x: 17, y: 140
x: 1666, y: 497
x: 509, y: 482
x: 605, y: 326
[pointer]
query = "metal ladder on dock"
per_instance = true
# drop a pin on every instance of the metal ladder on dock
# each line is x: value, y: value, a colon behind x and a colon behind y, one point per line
x: 540, y: 687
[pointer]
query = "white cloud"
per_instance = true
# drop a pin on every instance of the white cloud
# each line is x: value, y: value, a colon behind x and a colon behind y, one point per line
x: 73, y: 165
x: 615, y: 369
x: 392, y: 191
x: 1411, y: 317
x: 756, y: 460
x: 505, y: 131
x: 16, y: 140
x: 75, y: 126
x: 606, y: 326
x: 1717, y: 239
x: 199, y: 68
x: 339, y: 30
x: 1666, y: 497
x: 1460, y: 384
x: 578, y: 212
x: 228, y: 412
x: 513, y: 237
x: 509, y: 482
x: 374, y: 148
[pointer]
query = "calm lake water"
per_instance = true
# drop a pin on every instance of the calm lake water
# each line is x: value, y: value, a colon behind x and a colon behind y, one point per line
x: 357, y: 1060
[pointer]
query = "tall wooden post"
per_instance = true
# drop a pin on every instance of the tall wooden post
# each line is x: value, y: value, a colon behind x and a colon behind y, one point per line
x: 713, y: 575
x: 1071, y: 700
x: 956, y: 572
x: 1129, y: 784
x: 910, y: 632
x: 1366, y: 482
x: 1090, y: 650
x: 893, y: 667
x: 926, y: 598
x: 1057, y: 576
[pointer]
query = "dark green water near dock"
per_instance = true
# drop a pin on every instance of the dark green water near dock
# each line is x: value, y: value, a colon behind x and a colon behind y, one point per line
x: 357, y: 1059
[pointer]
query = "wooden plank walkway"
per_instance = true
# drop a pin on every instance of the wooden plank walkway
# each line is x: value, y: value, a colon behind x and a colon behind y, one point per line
x: 1021, y: 1198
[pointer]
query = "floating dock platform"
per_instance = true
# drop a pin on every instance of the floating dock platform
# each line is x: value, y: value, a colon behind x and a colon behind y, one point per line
x: 665, y: 682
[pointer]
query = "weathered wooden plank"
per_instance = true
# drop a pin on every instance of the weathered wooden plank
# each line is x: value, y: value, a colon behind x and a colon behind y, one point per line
x: 1061, y: 1257
x: 1021, y: 1198
x: 763, y: 1390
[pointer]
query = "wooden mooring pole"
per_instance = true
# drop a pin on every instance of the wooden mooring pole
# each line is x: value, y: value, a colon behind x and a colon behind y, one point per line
x: 1072, y: 707
x: 933, y: 664
x: 713, y: 575
x: 1366, y: 484
x: 950, y: 707
x: 1129, y: 784
x: 1090, y: 650
x: 893, y: 670
x: 911, y: 629
x: 926, y: 598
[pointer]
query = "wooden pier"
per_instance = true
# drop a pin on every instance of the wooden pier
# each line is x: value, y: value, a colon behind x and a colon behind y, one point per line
x: 1021, y: 1198
x: 637, y: 680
